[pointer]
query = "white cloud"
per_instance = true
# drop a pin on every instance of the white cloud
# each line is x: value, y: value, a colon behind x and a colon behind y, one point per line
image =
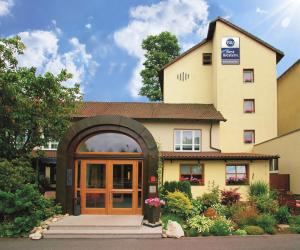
x: 285, y: 22
x: 261, y: 11
x: 5, y: 7
x: 88, y: 26
x: 181, y: 17
x: 42, y: 52
x: 57, y: 29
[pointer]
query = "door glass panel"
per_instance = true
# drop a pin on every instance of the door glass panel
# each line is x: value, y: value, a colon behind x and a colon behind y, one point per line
x: 122, y: 200
x: 78, y: 173
x: 95, y: 175
x: 95, y: 200
x: 140, y: 199
x: 122, y: 176
x: 140, y: 175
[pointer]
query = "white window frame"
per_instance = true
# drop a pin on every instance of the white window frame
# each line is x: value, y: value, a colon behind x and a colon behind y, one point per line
x: 49, y: 145
x: 193, y: 140
x: 272, y: 164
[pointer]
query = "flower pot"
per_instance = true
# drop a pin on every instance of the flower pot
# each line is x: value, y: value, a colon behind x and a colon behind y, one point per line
x: 153, y: 214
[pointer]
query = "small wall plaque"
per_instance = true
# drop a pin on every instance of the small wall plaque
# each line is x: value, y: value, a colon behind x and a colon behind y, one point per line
x: 152, y: 189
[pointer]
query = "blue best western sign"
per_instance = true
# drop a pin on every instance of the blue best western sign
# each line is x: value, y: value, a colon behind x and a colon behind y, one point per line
x: 230, y: 50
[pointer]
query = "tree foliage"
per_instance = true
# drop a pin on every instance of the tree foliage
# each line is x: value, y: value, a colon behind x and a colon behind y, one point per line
x: 159, y: 50
x: 34, y: 108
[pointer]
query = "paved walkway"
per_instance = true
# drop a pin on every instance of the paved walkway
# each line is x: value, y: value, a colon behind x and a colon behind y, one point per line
x: 277, y: 242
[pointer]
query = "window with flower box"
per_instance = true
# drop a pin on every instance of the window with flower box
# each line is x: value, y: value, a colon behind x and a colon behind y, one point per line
x: 249, y: 136
x: 237, y: 174
x: 249, y: 106
x: 248, y: 75
x: 193, y: 173
x: 187, y: 140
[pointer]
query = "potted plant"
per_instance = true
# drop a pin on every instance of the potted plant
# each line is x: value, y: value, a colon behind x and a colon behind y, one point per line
x: 153, y: 206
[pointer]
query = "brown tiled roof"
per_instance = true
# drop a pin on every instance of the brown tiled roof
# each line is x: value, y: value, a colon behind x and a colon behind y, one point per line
x: 170, y: 155
x: 143, y: 110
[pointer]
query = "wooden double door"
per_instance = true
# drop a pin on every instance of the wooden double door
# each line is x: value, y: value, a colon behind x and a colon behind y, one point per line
x: 109, y: 186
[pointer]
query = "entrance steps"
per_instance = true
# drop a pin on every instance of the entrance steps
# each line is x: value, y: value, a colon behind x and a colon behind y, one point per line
x: 102, y: 226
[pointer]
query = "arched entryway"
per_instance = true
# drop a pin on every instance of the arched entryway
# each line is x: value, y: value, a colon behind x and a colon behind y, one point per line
x: 106, y: 163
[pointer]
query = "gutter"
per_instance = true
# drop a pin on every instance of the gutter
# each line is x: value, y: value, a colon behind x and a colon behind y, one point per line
x: 210, y: 138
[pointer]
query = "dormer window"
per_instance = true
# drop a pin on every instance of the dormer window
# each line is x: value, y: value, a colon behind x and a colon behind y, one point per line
x: 187, y: 140
x: 207, y: 58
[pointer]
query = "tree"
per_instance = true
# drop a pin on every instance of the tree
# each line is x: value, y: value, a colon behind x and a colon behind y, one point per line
x: 33, y: 108
x: 160, y: 50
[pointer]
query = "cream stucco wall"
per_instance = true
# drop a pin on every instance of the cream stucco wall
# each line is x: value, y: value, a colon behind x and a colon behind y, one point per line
x: 231, y: 91
x: 163, y: 131
x: 214, y: 172
x: 288, y: 100
x: 287, y: 147
x: 223, y: 86
x: 198, y: 88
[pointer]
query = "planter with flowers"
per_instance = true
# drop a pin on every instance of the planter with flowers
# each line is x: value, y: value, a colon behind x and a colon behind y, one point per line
x: 153, y: 207
x: 236, y: 181
x: 194, y: 181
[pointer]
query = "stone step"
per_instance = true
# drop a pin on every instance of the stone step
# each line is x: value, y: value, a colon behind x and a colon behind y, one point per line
x: 93, y: 227
x: 143, y: 232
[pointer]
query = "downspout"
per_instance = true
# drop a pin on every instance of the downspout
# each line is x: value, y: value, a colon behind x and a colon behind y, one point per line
x: 210, y: 138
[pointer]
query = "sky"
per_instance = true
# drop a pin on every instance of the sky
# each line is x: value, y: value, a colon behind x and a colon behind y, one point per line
x: 99, y: 41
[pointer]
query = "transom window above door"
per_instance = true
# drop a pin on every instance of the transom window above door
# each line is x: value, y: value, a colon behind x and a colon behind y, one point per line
x: 187, y: 140
x: 109, y: 142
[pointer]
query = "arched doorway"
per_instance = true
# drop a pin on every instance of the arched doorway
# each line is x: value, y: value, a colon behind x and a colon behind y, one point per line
x: 105, y: 163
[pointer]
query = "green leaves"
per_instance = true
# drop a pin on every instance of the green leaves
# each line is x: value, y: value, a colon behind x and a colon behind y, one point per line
x: 159, y: 50
x: 31, y: 105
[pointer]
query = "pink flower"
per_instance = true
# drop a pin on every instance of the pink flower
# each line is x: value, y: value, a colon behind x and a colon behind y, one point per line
x: 154, y: 202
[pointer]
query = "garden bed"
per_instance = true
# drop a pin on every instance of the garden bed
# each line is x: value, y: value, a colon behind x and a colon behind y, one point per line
x: 221, y: 213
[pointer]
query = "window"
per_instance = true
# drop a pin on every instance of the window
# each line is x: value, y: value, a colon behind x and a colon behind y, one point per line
x: 109, y: 142
x: 207, y: 58
x: 187, y: 140
x: 249, y: 106
x: 248, y: 75
x: 274, y: 165
x: 249, y: 136
x: 51, y: 145
x: 236, y: 174
x: 192, y: 173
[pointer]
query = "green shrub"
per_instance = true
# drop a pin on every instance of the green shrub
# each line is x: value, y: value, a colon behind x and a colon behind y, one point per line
x: 191, y: 232
x: 266, y: 222
x: 294, y: 220
x: 265, y: 204
x: 198, y: 208
x: 282, y: 215
x: 173, y: 217
x: 179, y: 203
x: 14, y: 174
x: 211, y: 198
x: 258, y: 188
x: 201, y: 223
x: 240, y: 232
x: 23, y: 210
x: 221, y: 210
x: 295, y: 229
x: 254, y: 230
x: 172, y: 186
x: 221, y: 227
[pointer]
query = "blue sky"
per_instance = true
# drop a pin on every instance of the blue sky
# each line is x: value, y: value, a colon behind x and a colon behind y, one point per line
x: 98, y: 41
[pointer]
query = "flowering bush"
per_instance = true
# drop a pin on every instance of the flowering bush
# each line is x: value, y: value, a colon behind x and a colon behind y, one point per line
x: 154, y: 202
x: 210, y: 213
x: 201, y: 223
x: 236, y: 180
x: 229, y: 197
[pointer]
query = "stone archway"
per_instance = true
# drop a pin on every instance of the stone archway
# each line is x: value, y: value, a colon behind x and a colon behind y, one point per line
x: 88, y: 126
